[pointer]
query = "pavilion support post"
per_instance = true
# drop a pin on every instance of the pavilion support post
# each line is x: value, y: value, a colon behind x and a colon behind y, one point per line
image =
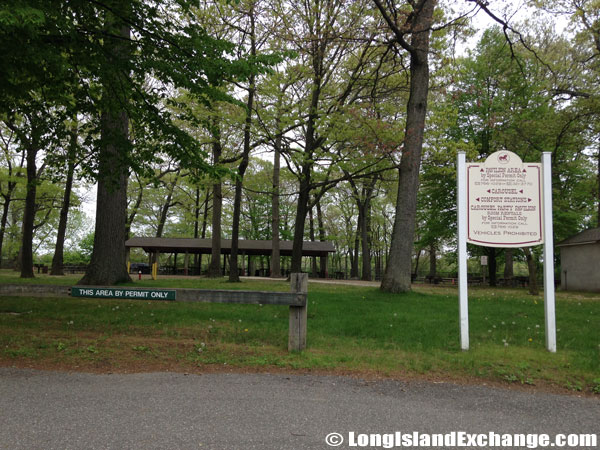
x: 175, y: 263
x: 186, y: 263
x: 243, y: 263
x: 298, y: 314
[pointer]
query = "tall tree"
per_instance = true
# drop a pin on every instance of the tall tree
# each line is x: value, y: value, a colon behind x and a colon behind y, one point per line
x: 322, y: 238
x: 135, y: 205
x: 12, y: 175
x: 168, y: 203
x: 275, y: 249
x: 362, y: 196
x: 81, y: 51
x: 334, y: 64
x: 214, y: 269
x: 71, y: 156
x: 581, y: 86
x: 237, y: 201
x: 32, y: 135
x: 411, y: 30
x: 108, y: 262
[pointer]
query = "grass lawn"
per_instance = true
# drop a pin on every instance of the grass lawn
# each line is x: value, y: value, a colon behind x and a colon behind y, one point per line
x: 351, y: 330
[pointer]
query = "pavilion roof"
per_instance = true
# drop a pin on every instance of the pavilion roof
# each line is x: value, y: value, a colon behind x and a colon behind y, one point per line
x: 246, y: 246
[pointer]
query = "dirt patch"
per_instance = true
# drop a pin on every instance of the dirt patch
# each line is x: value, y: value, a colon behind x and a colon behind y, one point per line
x: 130, y: 364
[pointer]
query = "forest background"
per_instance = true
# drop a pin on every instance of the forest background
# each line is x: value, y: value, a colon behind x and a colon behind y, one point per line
x: 268, y: 119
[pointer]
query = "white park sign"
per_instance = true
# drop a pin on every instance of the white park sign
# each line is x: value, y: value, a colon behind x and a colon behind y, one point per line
x: 504, y: 202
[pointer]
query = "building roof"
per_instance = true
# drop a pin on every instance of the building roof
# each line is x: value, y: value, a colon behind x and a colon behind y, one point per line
x: 590, y: 236
x: 246, y: 246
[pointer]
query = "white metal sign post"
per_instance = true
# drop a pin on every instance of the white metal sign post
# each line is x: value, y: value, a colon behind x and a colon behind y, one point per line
x: 504, y: 202
x: 463, y: 299
x: 549, y: 310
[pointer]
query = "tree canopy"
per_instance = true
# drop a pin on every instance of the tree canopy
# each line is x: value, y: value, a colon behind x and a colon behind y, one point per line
x: 301, y: 120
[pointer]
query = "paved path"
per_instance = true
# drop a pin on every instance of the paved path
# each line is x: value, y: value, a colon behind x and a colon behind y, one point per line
x: 52, y: 410
x: 322, y: 281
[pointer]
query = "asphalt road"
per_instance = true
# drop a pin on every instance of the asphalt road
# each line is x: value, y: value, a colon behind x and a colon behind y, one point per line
x: 51, y: 410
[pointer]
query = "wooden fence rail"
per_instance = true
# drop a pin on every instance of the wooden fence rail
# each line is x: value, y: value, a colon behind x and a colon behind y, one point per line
x: 296, y: 299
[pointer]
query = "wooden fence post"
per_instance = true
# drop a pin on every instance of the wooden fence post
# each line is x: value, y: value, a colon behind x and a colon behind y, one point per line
x: 297, y: 336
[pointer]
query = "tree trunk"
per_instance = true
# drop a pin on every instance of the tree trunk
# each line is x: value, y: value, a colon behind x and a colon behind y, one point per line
x: 365, y: 240
x: 57, y: 259
x: 354, y: 269
x: 5, y: 210
x: 3, y: 221
x: 532, y: 266
x: 10, y: 188
x: 323, y: 261
x: 234, y: 275
x: 508, y: 267
x: 17, y: 264
x: 363, y: 204
x: 397, y: 275
x: 311, y: 144
x: 29, y: 214
x: 492, y: 266
x: 214, y: 269
x: 196, y: 221
x: 205, y: 214
x: 164, y: 211
x: 432, y: 262
x: 301, y: 210
x: 235, y: 229
x: 108, y: 264
x: 275, y: 252
x: 311, y: 229
x: 134, y: 210
x: 417, y: 259
x: 348, y: 248
x: 197, y: 213
x: 198, y: 257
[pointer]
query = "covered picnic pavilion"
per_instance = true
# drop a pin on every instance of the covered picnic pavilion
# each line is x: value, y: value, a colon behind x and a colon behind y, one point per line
x: 247, y: 249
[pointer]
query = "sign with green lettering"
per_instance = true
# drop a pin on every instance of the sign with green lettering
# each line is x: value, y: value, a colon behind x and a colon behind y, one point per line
x: 126, y: 293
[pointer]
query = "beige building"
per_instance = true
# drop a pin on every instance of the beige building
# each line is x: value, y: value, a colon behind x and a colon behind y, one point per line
x: 580, y: 261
